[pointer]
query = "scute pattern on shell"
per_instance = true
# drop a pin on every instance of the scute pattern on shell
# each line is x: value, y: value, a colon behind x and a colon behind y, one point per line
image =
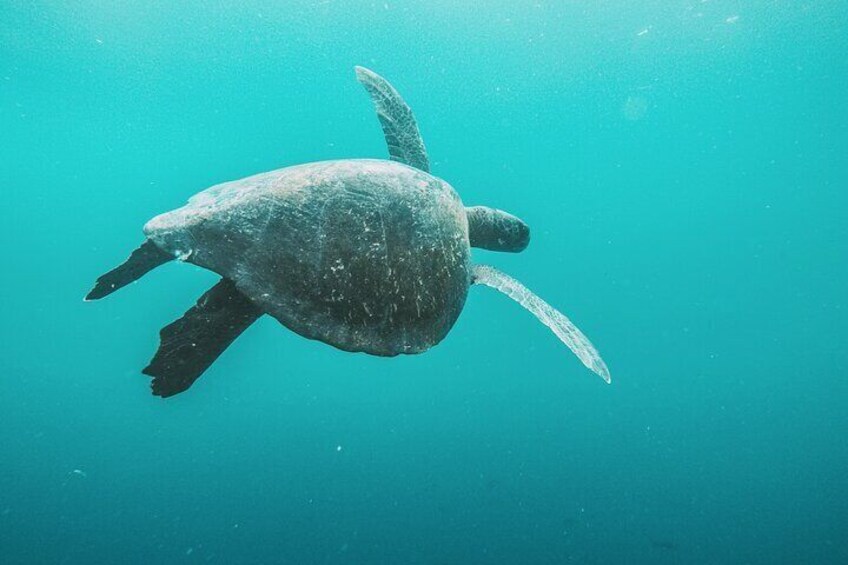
x: 366, y: 255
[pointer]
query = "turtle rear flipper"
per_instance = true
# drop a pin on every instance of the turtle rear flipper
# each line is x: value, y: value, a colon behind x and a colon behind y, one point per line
x: 143, y: 260
x: 188, y: 346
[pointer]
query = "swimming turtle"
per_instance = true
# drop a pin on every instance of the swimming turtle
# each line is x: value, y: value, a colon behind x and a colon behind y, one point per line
x: 366, y: 255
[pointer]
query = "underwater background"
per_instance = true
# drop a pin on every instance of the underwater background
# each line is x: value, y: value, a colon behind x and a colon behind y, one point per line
x: 682, y: 165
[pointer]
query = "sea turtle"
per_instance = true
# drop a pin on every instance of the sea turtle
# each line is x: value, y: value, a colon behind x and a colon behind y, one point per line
x: 363, y: 254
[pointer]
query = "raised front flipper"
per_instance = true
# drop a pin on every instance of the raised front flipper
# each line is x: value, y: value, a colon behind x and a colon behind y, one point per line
x: 191, y: 344
x: 547, y: 314
x: 399, y: 125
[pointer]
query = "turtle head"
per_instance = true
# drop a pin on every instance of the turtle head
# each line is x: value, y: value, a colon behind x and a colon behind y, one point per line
x: 496, y: 230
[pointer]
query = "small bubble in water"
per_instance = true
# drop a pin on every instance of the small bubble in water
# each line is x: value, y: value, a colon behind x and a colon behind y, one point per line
x: 635, y: 108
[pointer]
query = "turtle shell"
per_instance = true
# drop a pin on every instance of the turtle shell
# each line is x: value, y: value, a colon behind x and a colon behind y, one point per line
x: 365, y: 255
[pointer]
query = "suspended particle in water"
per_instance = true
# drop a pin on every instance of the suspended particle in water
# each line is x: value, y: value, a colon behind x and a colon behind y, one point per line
x: 634, y: 108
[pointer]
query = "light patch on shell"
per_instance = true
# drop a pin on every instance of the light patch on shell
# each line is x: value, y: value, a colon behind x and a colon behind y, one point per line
x: 338, y: 266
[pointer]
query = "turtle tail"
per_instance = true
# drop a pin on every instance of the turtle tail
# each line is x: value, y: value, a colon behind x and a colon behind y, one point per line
x: 144, y: 259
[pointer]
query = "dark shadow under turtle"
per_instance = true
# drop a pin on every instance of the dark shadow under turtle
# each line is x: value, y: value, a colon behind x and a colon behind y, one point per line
x: 363, y: 254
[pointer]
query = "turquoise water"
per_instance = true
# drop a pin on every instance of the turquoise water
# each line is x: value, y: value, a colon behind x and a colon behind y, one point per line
x: 682, y: 167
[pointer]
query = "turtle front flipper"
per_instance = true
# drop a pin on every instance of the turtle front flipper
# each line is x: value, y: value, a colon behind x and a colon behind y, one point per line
x: 143, y: 260
x: 399, y: 125
x: 191, y: 344
x: 567, y: 332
